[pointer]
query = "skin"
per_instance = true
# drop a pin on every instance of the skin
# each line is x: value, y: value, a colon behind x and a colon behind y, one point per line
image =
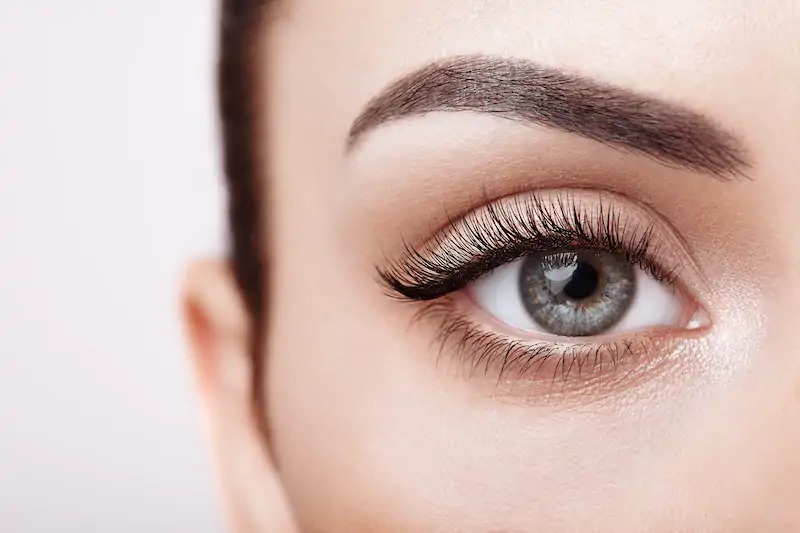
x: 371, y: 428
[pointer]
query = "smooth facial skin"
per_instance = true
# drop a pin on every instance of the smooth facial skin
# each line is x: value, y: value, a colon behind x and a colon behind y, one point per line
x: 378, y: 421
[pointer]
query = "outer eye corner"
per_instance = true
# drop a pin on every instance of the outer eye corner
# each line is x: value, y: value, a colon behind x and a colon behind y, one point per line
x: 698, y: 319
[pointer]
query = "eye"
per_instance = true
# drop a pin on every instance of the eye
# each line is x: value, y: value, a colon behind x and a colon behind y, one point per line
x: 577, y: 293
x: 586, y: 283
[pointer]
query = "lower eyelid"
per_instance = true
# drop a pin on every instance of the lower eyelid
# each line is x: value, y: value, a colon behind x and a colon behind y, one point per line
x: 553, y: 369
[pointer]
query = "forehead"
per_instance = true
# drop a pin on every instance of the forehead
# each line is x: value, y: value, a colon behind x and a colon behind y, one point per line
x: 330, y: 58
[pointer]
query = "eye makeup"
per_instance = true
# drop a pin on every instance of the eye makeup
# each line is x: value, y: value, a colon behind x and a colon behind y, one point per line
x: 503, y: 231
x: 586, y: 234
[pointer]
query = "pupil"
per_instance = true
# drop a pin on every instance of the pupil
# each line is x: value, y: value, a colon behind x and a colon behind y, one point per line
x: 583, y: 282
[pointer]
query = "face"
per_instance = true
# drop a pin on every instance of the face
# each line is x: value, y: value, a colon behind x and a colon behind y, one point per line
x: 533, y: 266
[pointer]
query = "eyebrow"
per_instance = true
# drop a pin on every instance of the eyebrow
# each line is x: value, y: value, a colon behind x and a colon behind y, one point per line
x: 526, y: 92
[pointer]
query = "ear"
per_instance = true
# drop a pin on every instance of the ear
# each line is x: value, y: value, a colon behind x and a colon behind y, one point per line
x: 219, y: 333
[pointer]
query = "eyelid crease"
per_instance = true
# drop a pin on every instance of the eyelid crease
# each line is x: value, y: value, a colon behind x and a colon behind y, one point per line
x: 510, y: 228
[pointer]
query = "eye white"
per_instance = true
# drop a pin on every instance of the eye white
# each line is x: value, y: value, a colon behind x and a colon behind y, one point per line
x: 498, y: 294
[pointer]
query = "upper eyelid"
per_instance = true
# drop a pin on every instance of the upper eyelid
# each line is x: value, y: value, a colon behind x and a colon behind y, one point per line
x: 411, y: 275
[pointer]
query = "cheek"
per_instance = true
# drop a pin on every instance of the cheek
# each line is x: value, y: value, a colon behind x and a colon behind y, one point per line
x: 371, y: 434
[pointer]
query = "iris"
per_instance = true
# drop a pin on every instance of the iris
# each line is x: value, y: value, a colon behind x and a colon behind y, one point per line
x: 579, y: 293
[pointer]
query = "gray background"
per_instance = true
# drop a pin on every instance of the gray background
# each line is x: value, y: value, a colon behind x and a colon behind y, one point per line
x: 108, y: 183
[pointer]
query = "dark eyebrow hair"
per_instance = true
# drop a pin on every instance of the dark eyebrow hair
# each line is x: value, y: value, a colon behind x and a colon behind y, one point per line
x: 526, y: 92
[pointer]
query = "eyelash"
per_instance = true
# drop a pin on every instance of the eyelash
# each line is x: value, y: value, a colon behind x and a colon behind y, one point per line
x: 493, y: 353
x: 501, y: 233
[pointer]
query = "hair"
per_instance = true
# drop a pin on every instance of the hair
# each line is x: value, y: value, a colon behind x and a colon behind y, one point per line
x: 237, y: 82
x: 237, y: 75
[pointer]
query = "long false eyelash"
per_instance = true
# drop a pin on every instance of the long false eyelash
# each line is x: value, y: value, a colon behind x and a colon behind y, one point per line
x: 490, y: 353
x: 501, y: 233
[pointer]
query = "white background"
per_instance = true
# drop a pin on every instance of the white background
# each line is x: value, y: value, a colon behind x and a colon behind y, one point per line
x: 108, y: 183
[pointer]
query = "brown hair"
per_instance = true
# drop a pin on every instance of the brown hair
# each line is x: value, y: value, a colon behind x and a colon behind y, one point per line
x: 236, y: 77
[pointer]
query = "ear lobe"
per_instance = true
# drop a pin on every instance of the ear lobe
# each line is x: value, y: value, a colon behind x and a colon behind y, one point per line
x: 219, y: 334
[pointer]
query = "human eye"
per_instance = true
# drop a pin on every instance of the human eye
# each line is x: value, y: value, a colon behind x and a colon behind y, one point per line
x: 555, y: 285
